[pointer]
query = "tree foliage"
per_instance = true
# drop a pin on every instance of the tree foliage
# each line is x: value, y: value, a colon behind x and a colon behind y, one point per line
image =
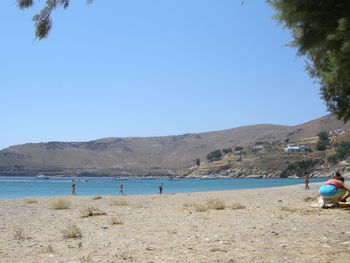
x: 321, y: 32
x: 323, y: 141
x: 227, y: 150
x: 239, y: 148
x: 321, y: 145
x: 303, y: 164
x: 217, y: 154
x: 323, y: 136
x: 43, y: 20
x: 342, y: 151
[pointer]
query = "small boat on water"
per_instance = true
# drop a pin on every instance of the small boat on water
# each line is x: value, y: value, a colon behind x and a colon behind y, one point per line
x: 174, y: 178
x: 206, y: 177
x: 42, y: 176
x: 119, y: 178
x: 80, y: 180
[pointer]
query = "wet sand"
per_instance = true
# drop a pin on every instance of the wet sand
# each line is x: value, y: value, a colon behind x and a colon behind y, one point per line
x: 260, y: 225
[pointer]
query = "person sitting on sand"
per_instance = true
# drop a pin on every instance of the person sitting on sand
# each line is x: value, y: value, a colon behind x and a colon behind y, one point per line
x: 333, y: 191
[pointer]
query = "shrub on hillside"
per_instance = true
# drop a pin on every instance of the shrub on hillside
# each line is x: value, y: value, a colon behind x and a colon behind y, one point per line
x: 332, y: 159
x: 323, y: 141
x: 323, y: 136
x: 322, y: 145
x: 217, y: 154
x: 227, y: 150
x: 239, y: 148
x: 342, y: 152
x: 303, y: 164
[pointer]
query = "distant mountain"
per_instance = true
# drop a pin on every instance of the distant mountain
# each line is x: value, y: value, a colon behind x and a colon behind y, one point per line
x: 147, y: 155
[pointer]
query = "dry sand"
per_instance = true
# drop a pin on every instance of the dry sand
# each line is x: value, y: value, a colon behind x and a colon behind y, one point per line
x: 276, y: 225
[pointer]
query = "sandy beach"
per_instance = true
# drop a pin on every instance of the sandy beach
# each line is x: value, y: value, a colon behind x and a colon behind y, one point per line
x: 264, y: 225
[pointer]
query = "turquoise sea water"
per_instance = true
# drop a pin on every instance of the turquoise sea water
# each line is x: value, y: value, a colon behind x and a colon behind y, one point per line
x: 19, y: 187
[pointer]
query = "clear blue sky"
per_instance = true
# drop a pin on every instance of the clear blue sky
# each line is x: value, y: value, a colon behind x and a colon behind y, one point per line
x: 123, y: 68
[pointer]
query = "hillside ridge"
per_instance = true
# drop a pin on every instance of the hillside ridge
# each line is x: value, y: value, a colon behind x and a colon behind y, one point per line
x: 139, y: 156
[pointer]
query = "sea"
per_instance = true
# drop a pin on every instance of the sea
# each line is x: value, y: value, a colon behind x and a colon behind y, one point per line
x: 21, y: 187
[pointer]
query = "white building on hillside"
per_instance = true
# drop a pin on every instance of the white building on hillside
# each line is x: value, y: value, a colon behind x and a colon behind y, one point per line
x: 295, y: 148
x: 336, y: 132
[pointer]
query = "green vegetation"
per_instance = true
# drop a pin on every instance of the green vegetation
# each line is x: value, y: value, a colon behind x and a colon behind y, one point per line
x: 217, y: 154
x: 303, y: 164
x: 43, y: 20
x: 332, y: 159
x: 342, y: 151
x: 323, y: 136
x: 239, y: 148
x: 323, y: 141
x: 322, y: 145
x: 227, y: 150
x: 321, y: 32
x: 198, y: 162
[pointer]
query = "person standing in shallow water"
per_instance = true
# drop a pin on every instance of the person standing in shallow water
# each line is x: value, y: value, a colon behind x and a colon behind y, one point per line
x: 306, y: 177
x: 74, y: 190
x: 121, y: 191
x: 161, y: 188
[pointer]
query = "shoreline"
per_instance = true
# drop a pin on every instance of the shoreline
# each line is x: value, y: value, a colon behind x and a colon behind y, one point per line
x: 312, y: 185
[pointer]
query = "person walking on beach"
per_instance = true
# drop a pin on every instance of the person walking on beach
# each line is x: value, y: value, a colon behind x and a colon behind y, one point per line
x: 333, y: 191
x: 73, y: 190
x: 121, y: 191
x: 161, y: 188
x: 306, y: 177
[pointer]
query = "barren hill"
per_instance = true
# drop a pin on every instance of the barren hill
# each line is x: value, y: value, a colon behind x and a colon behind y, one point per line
x: 146, y: 155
